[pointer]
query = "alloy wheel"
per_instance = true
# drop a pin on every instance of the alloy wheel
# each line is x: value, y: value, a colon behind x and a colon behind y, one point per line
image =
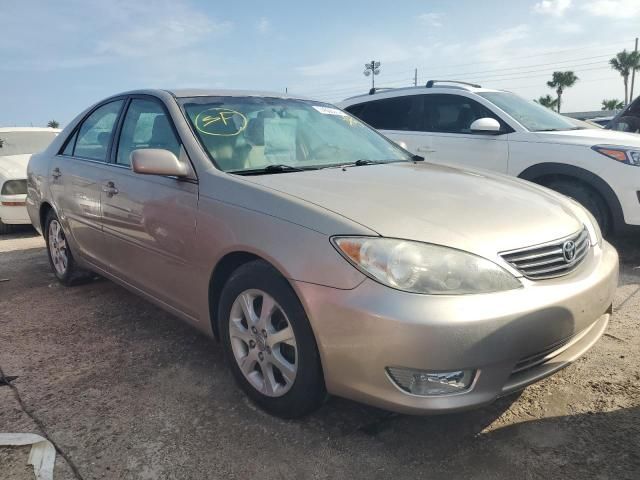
x: 263, y: 342
x: 58, y: 247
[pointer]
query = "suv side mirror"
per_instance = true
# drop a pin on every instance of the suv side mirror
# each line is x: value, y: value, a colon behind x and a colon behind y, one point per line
x: 156, y: 161
x: 485, y: 125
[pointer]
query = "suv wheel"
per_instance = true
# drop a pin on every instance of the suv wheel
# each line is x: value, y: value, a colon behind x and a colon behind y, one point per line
x: 268, y: 342
x: 588, y: 198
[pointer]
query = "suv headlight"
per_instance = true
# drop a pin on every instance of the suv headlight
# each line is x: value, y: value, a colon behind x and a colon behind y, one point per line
x: 424, y: 268
x: 628, y: 155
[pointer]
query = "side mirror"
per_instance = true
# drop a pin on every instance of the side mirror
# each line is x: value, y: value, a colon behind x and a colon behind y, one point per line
x: 485, y: 125
x: 156, y: 161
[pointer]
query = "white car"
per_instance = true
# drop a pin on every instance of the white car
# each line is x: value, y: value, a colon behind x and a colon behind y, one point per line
x: 464, y: 124
x: 17, y: 144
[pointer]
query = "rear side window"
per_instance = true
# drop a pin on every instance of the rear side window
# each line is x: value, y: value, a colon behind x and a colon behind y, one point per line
x: 453, y: 113
x: 95, y: 133
x: 146, y: 125
x: 399, y: 113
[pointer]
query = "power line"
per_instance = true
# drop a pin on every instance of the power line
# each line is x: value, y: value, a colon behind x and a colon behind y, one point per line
x: 519, y: 57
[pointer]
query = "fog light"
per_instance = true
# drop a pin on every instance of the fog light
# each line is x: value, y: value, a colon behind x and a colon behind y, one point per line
x: 419, y: 382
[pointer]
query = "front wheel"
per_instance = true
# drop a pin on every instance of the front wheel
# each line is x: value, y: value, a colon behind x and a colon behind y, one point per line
x: 268, y: 342
x: 588, y: 198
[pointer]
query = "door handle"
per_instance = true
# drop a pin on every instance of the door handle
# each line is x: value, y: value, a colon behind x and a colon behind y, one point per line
x: 425, y: 150
x: 110, y: 189
x: 56, y: 173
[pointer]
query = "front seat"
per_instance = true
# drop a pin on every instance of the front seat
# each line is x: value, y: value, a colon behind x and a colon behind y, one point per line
x: 162, y: 135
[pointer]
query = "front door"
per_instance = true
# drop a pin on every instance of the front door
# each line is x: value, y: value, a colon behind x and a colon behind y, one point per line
x: 149, y: 221
x: 447, y: 122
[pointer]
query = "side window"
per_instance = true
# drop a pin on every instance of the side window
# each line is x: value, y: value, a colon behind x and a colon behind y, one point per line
x: 68, y: 149
x: 96, y: 131
x: 399, y: 113
x: 452, y: 113
x: 146, y: 125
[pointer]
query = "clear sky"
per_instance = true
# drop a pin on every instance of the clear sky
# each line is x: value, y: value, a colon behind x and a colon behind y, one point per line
x: 56, y: 58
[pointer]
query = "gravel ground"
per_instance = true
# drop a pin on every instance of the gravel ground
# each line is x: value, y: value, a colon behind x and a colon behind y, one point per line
x: 127, y: 391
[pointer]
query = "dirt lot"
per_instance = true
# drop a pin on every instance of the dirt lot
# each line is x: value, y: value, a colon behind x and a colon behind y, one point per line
x: 128, y: 391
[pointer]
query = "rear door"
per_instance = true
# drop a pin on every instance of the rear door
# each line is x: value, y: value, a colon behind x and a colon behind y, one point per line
x: 447, y: 122
x: 76, y: 178
x: 398, y: 118
x: 150, y: 220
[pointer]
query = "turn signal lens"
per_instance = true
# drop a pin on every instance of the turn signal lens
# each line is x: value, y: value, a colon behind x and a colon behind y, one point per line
x: 621, y: 154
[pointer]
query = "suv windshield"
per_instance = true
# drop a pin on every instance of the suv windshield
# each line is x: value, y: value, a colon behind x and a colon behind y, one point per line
x: 532, y: 116
x: 19, y: 143
x: 243, y: 134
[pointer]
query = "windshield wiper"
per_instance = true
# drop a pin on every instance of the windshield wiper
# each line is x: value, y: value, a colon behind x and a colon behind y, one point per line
x: 274, y: 168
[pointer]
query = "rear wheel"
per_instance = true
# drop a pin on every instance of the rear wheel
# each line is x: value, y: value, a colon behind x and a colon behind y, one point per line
x: 588, y: 198
x: 60, y: 257
x: 268, y: 342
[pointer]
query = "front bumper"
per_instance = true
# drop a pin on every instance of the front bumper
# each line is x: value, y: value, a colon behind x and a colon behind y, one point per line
x: 13, y: 210
x: 362, y: 331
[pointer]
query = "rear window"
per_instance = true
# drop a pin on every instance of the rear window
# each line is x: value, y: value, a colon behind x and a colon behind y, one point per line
x: 21, y: 143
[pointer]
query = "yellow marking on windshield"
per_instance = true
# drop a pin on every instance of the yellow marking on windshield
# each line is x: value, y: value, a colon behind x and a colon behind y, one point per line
x: 222, y: 122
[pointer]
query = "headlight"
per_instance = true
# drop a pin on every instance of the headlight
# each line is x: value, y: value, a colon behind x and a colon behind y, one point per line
x: 423, y: 268
x: 628, y: 155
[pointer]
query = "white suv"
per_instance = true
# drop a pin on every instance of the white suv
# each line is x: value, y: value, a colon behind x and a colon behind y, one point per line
x: 465, y: 124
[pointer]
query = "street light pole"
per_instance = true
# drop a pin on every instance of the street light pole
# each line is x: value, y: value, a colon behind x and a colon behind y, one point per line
x: 373, y: 69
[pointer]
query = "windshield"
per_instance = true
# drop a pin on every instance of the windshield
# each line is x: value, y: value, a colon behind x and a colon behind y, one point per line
x: 242, y: 134
x: 19, y: 143
x: 530, y: 115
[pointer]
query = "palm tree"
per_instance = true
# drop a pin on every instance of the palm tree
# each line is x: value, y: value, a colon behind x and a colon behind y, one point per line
x: 53, y: 124
x: 547, y: 101
x: 625, y: 62
x: 560, y: 81
x: 613, y: 104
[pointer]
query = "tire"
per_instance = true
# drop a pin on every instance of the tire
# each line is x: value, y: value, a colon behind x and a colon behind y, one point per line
x: 588, y: 198
x: 282, y: 375
x: 65, y: 269
x: 4, y: 228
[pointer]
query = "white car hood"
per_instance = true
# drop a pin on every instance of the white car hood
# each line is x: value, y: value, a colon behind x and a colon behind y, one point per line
x: 474, y: 211
x: 591, y: 136
x: 14, y: 166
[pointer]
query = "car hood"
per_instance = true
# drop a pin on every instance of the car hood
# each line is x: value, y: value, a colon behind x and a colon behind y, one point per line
x: 471, y: 210
x: 592, y: 136
x: 14, y: 166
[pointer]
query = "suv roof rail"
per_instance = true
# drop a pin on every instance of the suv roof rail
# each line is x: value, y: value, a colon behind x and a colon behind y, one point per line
x: 430, y: 83
x: 375, y: 90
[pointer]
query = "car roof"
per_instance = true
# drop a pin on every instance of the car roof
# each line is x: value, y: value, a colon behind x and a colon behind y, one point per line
x: 199, y: 92
x: 29, y: 129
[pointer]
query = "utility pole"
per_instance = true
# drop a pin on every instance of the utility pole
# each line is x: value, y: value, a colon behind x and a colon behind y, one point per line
x: 633, y: 74
x: 415, y: 77
x: 372, y: 69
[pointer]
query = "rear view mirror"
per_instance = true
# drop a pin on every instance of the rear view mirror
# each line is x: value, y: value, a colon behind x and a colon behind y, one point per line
x: 156, y: 161
x: 485, y: 125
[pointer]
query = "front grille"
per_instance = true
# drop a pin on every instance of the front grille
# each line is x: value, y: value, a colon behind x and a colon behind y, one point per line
x: 552, y: 259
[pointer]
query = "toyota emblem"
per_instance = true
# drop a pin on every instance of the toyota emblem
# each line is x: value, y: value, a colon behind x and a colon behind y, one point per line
x: 569, y: 250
